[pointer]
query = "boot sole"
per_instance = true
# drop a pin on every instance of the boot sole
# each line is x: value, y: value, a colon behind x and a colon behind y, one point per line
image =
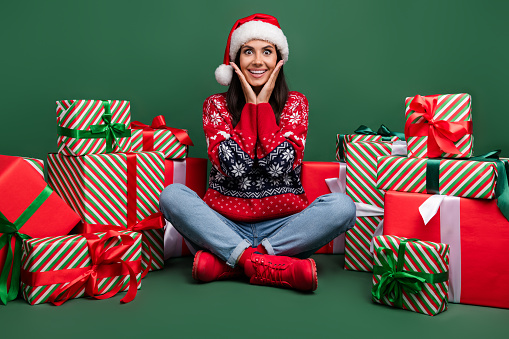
x: 195, y: 265
x: 315, y: 275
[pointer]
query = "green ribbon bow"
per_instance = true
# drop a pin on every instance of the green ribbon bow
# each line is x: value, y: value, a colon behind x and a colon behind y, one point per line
x: 8, y: 230
x: 501, y: 188
x: 110, y: 131
x: 394, y: 280
x: 383, y: 131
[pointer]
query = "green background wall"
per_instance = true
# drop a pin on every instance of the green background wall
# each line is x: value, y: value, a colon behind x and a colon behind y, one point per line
x: 356, y: 61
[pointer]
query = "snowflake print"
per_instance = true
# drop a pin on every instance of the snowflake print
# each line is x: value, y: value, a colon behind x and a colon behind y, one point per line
x: 275, y: 181
x: 218, y: 176
x: 294, y: 118
x: 286, y: 179
x: 287, y: 155
x: 226, y: 152
x: 215, y: 118
x: 275, y: 170
x: 245, y: 183
x: 260, y: 183
x: 238, y: 170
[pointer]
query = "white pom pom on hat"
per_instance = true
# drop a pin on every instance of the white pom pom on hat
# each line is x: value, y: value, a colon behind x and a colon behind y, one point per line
x: 256, y: 26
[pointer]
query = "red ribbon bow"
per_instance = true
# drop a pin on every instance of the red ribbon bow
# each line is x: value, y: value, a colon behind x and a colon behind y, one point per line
x: 106, y: 262
x: 159, y: 123
x: 441, y: 134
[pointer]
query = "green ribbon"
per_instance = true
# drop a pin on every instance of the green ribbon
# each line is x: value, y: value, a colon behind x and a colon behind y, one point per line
x: 394, y: 280
x: 501, y: 188
x: 8, y: 230
x: 383, y: 131
x: 110, y: 131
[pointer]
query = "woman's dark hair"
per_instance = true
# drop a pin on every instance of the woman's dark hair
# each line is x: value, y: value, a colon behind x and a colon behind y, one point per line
x: 235, y: 96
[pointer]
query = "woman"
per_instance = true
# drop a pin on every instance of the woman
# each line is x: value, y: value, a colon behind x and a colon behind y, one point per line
x: 254, y: 219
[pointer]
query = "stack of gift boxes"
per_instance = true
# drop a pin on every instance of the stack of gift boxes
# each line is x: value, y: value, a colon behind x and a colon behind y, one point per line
x: 431, y: 219
x: 96, y: 228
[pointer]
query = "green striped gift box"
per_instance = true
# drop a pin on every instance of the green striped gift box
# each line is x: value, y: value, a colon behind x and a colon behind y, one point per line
x: 461, y: 178
x: 81, y: 115
x: 55, y: 254
x: 164, y: 141
x: 420, y: 266
x: 452, y: 108
x: 95, y: 186
x: 361, y: 187
x: 345, y: 139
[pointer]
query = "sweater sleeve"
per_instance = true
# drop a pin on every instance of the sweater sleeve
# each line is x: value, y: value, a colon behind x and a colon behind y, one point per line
x: 281, y: 148
x: 231, y: 150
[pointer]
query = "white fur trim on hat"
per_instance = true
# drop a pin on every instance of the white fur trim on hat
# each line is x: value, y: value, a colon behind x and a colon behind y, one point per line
x: 258, y: 30
x: 224, y: 74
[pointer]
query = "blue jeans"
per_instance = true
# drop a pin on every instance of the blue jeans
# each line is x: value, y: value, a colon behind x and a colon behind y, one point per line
x: 298, y: 235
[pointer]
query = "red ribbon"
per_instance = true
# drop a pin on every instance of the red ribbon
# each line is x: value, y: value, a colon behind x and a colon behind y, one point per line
x: 159, y: 123
x: 441, y: 134
x: 105, y: 263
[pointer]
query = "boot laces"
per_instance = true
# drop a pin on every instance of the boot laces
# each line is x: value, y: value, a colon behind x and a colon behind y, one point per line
x: 269, y: 272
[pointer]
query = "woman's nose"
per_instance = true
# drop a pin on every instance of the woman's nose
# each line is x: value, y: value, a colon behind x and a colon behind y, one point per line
x: 258, y: 59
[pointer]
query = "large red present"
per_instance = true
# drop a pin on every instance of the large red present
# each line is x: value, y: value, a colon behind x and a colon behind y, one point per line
x: 191, y: 172
x: 28, y: 208
x: 475, y: 229
x: 314, y: 181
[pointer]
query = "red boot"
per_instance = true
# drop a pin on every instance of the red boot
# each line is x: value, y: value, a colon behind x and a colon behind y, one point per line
x: 281, y: 271
x: 207, y: 267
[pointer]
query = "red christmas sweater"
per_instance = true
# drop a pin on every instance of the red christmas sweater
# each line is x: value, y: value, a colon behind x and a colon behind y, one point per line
x: 256, y: 165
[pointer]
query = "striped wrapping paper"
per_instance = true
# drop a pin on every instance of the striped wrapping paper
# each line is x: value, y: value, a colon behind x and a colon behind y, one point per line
x: 461, y: 178
x: 450, y: 107
x: 361, y: 187
x: 37, y: 164
x: 419, y: 256
x: 349, y: 138
x: 95, y: 186
x: 54, y: 254
x: 164, y: 141
x: 81, y: 115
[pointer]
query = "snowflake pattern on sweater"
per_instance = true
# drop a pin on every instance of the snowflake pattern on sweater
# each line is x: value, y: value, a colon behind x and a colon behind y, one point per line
x: 256, y: 164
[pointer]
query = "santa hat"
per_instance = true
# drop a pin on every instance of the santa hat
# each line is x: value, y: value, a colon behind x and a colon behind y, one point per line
x: 256, y: 26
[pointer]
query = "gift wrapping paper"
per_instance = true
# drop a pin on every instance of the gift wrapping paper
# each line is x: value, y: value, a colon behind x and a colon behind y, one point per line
x: 313, y: 177
x: 96, y: 186
x: 418, y: 257
x: 93, y: 117
x: 57, y: 254
x: 461, y: 178
x: 449, y: 108
x: 345, y: 139
x: 475, y: 229
x: 361, y: 178
x: 37, y: 164
x: 29, y: 208
x: 191, y: 172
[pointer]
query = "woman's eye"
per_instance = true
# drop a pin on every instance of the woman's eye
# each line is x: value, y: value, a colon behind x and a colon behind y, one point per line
x: 248, y: 52
x: 267, y: 52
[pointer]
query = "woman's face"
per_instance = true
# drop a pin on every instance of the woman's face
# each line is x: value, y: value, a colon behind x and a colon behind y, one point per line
x: 258, y: 59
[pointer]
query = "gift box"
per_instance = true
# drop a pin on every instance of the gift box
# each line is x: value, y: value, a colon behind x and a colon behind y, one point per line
x: 191, y: 172
x: 55, y: 269
x: 115, y: 191
x: 93, y: 126
x: 410, y: 274
x: 361, y: 178
x: 173, y: 142
x: 37, y: 164
x: 315, y: 176
x: 364, y: 133
x: 439, y: 126
x: 462, y: 178
x: 28, y: 208
x: 476, y: 231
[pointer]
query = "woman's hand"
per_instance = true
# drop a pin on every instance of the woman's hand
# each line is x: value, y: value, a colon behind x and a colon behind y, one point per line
x: 266, y: 91
x: 249, y: 94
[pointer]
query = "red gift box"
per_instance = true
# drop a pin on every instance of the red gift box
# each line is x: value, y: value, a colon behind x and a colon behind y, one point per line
x: 313, y: 181
x: 191, y: 172
x: 477, y: 232
x: 28, y: 208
